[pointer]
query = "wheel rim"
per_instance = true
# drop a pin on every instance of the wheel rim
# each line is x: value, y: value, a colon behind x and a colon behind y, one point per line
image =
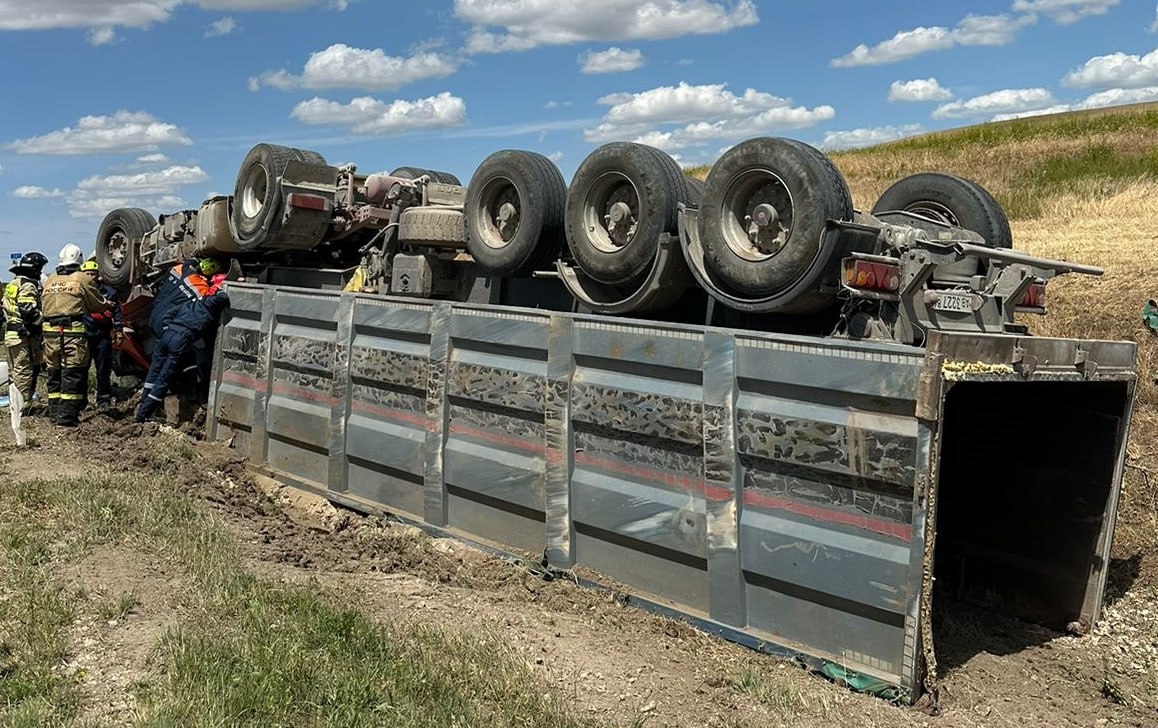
x: 117, y: 249
x: 499, y: 212
x: 611, y: 212
x: 757, y: 214
x: 934, y: 211
x: 253, y: 191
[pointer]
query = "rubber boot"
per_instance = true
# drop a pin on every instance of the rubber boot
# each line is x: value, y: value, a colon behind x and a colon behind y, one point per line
x: 70, y: 412
x: 54, y: 410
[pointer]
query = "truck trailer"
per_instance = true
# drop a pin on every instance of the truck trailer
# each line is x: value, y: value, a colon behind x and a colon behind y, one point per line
x: 798, y: 424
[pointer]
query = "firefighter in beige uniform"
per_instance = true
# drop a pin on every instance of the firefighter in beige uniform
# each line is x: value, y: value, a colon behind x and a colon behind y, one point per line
x: 22, y: 324
x: 69, y: 295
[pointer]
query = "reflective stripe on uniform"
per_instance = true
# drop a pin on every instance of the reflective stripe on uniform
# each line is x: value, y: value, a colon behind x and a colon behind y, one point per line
x: 71, y: 330
x: 69, y: 396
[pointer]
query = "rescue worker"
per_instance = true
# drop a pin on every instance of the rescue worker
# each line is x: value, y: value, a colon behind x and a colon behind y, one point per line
x: 69, y: 295
x: 183, y: 310
x: 100, y: 329
x: 22, y: 316
x: 197, y: 364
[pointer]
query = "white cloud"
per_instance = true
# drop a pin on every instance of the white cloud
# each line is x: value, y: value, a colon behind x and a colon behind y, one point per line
x: 920, y: 89
x: 1, y: 169
x: 1065, y: 12
x: 221, y: 27
x: 1154, y: 25
x: 854, y: 138
x: 283, y: 80
x: 1119, y: 96
x: 83, y: 206
x: 341, y: 66
x: 158, y: 190
x: 525, y: 24
x: 973, y: 30
x: 366, y: 115
x: 999, y: 102
x: 1101, y: 99
x: 555, y: 156
x: 1116, y: 70
x: 708, y: 112
x: 34, y: 192
x: 1057, y: 109
x: 139, y: 14
x: 124, y: 131
x: 102, y: 36
x: 151, y: 159
x: 612, y: 60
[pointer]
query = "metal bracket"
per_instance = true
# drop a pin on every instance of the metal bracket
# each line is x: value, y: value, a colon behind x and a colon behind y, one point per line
x: 1024, y: 364
x: 1087, y: 366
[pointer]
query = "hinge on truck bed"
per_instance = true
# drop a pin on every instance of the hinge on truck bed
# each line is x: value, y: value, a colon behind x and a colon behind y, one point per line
x: 1087, y: 366
x: 1023, y: 363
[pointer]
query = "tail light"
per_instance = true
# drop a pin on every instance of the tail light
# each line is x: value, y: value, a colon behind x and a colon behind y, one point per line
x: 306, y: 202
x: 1034, y: 296
x: 871, y: 275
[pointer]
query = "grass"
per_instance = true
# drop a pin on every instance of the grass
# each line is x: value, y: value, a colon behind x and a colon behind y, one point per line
x: 768, y: 688
x: 248, y: 651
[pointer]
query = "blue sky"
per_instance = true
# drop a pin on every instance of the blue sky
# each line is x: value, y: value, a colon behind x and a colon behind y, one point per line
x: 154, y: 103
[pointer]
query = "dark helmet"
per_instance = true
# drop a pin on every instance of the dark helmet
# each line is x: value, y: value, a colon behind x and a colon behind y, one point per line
x: 33, y: 262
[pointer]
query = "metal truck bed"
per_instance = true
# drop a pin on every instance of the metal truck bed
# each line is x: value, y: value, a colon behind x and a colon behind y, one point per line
x: 793, y: 493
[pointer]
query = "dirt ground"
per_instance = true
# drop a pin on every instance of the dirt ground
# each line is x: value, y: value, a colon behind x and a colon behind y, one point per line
x: 610, y: 661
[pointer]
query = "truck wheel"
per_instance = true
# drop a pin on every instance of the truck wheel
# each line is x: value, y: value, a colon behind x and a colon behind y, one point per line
x: 514, y: 212
x: 764, y: 212
x: 622, y: 197
x: 256, y: 197
x: 949, y: 199
x: 695, y: 190
x: 437, y: 226
x: 309, y: 157
x: 118, y: 240
x: 445, y: 178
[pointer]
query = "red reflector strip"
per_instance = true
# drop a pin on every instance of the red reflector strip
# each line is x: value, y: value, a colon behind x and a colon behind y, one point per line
x: 306, y: 202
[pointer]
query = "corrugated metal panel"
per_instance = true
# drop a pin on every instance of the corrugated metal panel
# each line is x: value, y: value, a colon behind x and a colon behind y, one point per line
x: 776, y: 486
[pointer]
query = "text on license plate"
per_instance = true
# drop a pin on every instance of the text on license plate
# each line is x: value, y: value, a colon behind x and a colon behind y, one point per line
x: 962, y: 302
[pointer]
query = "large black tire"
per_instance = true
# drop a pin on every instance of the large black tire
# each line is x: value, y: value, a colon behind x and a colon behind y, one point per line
x: 949, y: 199
x: 445, y: 178
x: 118, y: 240
x: 437, y: 226
x: 256, y: 196
x: 309, y: 157
x: 514, y: 213
x: 770, y: 173
x: 639, y: 184
x: 695, y: 190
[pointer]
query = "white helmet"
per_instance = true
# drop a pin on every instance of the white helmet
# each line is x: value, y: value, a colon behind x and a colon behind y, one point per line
x: 70, y: 255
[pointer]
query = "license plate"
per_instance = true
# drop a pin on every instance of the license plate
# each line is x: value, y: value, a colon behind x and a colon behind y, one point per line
x: 956, y: 302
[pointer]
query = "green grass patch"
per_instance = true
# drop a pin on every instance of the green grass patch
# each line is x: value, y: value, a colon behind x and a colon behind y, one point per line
x: 768, y: 688
x: 1088, y: 171
x: 35, y: 614
x: 282, y: 656
x: 247, y: 651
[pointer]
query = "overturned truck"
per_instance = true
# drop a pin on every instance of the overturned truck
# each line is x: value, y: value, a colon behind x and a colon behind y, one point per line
x: 803, y: 426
